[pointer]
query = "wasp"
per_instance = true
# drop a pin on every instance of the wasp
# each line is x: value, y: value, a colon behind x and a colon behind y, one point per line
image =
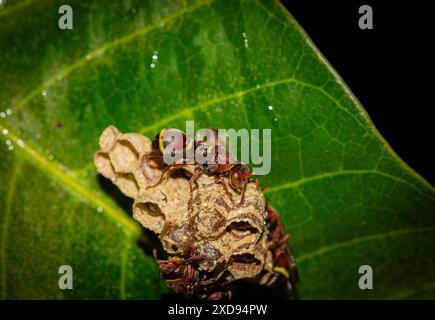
x: 222, y: 164
x: 284, y: 263
x: 183, y: 276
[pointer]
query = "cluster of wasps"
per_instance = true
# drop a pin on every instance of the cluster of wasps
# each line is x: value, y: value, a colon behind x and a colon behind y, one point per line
x: 222, y: 164
x: 182, y: 274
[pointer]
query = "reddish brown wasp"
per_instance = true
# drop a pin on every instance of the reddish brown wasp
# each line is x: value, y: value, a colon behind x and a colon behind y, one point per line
x: 285, y: 269
x: 183, y: 276
x: 221, y: 164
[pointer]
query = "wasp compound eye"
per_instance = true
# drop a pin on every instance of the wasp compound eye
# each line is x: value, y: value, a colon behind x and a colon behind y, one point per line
x: 212, y: 241
x: 235, y: 181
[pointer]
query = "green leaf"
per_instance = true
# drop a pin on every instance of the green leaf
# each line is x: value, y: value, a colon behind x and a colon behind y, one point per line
x: 345, y: 196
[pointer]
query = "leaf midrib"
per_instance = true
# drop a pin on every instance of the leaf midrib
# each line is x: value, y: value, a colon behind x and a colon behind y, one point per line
x: 66, y: 178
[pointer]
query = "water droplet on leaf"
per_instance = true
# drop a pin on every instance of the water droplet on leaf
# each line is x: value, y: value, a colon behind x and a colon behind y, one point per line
x: 154, y: 58
x: 245, y: 40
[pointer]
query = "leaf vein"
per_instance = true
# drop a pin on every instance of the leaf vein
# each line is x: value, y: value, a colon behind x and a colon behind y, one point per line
x: 357, y: 240
x: 297, y: 183
x: 103, y: 49
x: 239, y: 94
x: 10, y: 10
x: 9, y: 197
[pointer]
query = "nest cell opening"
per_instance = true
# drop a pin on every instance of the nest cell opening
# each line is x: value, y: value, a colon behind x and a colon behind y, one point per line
x: 124, y: 156
x: 244, y: 265
x: 104, y: 166
x: 150, y: 215
x: 129, y: 184
x: 241, y: 228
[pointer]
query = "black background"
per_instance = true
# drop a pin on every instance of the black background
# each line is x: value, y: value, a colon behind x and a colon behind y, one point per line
x: 388, y: 68
x: 151, y: 310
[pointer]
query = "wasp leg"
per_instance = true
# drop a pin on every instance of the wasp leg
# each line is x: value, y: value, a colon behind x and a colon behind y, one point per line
x: 246, y: 179
x: 165, y: 171
x: 220, y: 180
x: 273, y: 279
x: 257, y: 185
x: 221, y: 295
x: 242, y: 198
x: 283, y: 240
x: 193, y: 178
x: 212, y: 280
x: 177, y: 261
x: 155, y: 254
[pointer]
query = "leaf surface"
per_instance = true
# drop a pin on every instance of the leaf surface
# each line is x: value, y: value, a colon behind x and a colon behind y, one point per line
x: 344, y: 195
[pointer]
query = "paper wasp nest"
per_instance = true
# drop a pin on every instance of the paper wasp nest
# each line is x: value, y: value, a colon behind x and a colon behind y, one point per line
x: 231, y: 238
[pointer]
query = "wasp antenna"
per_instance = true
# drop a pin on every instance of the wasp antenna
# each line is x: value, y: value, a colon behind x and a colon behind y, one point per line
x: 154, y: 157
x: 257, y: 183
x: 242, y: 199
x: 161, y: 178
x: 284, y: 239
